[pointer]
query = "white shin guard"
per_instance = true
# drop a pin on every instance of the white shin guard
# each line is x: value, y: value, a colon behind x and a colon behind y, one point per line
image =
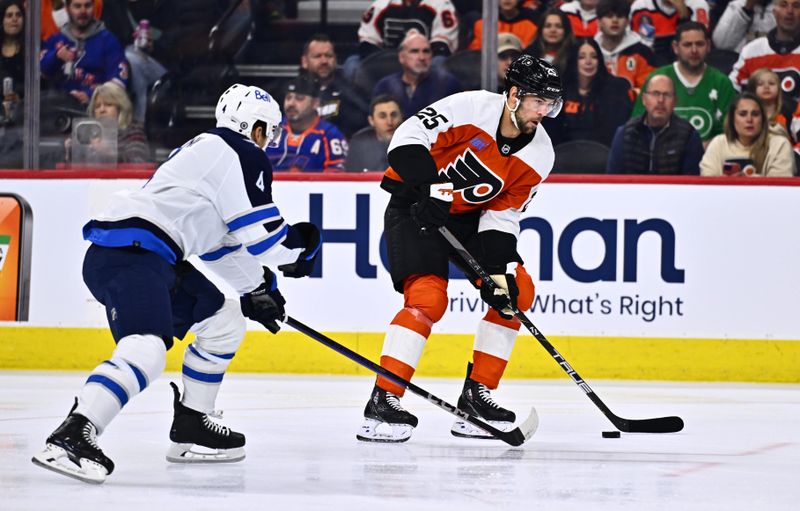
x: 206, y: 360
x: 136, y: 361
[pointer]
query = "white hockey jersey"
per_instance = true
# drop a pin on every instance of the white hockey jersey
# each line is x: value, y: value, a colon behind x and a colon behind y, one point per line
x: 212, y: 198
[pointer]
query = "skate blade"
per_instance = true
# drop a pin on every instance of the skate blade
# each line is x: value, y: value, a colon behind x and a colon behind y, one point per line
x: 55, y: 458
x: 466, y: 430
x: 377, y: 431
x: 193, y: 453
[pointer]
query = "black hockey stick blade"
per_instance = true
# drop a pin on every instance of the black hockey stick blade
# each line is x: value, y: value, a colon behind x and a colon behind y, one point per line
x: 656, y: 425
x: 515, y: 437
x: 670, y: 424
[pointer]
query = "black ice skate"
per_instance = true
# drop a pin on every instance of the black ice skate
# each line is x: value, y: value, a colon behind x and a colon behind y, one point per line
x: 385, y: 420
x: 72, y: 450
x: 198, y: 439
x: 476, y: 400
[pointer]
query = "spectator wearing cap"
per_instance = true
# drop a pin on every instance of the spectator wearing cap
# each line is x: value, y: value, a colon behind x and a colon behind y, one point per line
x: 624, y: 53
x: 741, y: 22
x: 512, y: 19
x: 582, y: 16
x: 338, y: 102
x: 416, y: 87
x: 308, y: 143
x: 509, y: 47
x: 369, y: 147
x: 778, y: 50
x: 657, y: 22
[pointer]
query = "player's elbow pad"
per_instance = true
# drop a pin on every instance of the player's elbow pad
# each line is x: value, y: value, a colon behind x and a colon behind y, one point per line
x: 414, y: 163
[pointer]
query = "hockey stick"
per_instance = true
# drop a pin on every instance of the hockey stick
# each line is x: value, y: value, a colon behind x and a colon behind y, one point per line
x: 515, y: 437
x: 655, y: 425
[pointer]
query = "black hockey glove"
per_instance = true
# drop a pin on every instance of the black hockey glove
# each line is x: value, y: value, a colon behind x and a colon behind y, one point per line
x: 305, y: 261
x: 504, y: 296
x: 265, y: 303
x: 432, y: 210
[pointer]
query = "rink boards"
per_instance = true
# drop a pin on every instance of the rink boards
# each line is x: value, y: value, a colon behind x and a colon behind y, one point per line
x: 688, y: 279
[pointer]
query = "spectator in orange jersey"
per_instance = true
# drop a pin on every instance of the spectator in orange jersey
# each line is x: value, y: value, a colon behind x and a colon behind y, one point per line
x: 554, y: 40
x: 582, y: 16
x: 778, y: 50
x: 513, y: 19
x: 624, y: 52
x: 657, y: 20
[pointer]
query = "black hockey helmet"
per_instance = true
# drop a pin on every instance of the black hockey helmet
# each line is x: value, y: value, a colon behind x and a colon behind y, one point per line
x: 535, y: 76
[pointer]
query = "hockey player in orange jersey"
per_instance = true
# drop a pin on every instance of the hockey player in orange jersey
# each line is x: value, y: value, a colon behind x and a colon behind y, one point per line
x: 471, y: 162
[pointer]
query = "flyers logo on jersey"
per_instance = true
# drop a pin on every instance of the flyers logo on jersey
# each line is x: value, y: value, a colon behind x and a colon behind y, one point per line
x: 472, y: 179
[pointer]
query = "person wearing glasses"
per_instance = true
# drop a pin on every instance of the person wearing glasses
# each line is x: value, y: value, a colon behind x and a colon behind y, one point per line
x: 658, y: 141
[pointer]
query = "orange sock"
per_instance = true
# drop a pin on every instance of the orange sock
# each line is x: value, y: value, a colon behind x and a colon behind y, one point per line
x: 487, y: 369
x: 405, y: 371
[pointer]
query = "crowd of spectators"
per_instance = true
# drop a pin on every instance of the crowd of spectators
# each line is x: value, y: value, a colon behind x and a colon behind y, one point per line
x: 639, y: 77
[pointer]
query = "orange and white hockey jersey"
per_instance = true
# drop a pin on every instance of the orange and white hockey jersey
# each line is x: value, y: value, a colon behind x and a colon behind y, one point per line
x: 783, y: 58
x: 460, y: 132
x: 584, y: 23
x: 385, y: 22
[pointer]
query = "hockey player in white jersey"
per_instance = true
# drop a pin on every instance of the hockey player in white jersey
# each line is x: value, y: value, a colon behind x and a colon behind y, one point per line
x: 212, y: 198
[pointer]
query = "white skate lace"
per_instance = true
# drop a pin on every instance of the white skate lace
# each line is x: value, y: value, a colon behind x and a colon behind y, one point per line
x: 214, y: 427
x: 89, y: 435
x: 485, y: 396
x: 394, y: 402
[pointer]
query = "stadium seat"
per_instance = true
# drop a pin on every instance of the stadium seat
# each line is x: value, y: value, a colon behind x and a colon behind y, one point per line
x: 581, y: 157
x: 466, y: 67
x: 373, y: 68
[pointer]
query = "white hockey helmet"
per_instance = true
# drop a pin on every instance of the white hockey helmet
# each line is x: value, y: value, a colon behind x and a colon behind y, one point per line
x: 241, y: 106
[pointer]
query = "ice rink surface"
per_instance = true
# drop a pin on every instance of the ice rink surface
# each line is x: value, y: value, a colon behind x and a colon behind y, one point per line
x: 740, y: 450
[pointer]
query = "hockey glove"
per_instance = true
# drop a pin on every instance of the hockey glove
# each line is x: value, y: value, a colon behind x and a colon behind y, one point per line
x: 504, y: 296
x: 265, y: 303
x: 433, y: 209
x: 305, y: 261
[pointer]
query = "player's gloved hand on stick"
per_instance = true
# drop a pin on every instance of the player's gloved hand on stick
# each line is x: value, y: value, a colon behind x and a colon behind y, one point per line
x: 504, y: 296
x: 432, y: 210
x: 265, y: 303
x: 305, y: 261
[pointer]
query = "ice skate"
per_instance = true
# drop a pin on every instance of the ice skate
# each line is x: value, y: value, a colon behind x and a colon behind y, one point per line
x: 198, y: 439
x: 72, y: 450
x: 385, y: 420
x: 476, y: 400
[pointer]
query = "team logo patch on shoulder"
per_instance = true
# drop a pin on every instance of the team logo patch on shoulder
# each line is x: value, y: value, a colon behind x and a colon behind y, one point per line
x: 478, y: 143
x: 472, y: 179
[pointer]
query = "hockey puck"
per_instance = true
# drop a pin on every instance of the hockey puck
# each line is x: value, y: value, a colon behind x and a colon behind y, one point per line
x: 611, y: 434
